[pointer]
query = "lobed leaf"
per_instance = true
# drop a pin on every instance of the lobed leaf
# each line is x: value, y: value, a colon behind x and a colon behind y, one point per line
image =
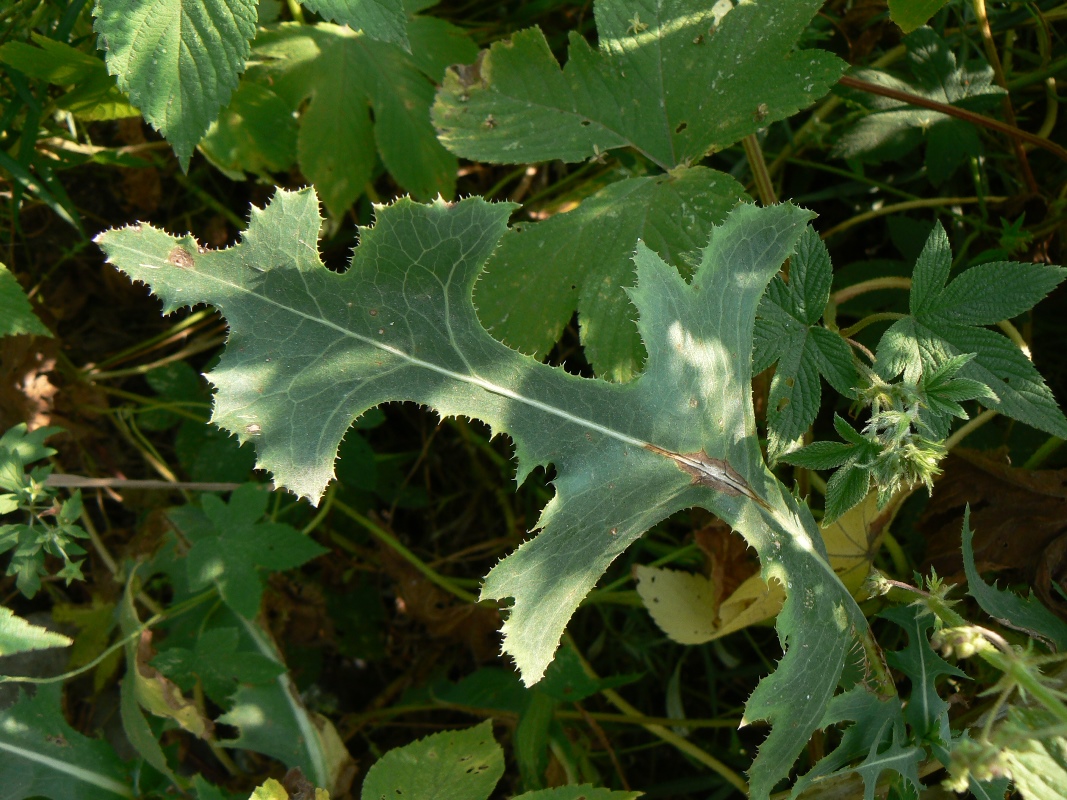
x: 309, y: 351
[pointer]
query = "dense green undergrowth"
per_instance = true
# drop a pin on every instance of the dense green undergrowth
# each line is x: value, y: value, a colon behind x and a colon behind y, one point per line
x: 696, y: 277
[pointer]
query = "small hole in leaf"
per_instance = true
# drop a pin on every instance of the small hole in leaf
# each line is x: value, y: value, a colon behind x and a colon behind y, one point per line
x: 586, y: 123
x: 783, y: 403
x: 681, y: 127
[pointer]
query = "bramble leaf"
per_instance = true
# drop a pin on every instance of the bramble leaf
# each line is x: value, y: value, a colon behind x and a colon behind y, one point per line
x: 943, y: 324
x: 310, y: 351
x: 42, y: 756
x: 894, y: 129
x: 787, y: 332
x: 178, y: 60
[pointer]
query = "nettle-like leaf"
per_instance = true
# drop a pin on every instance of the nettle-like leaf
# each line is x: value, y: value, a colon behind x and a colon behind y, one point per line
x: 787, y: 332
x: 357, y: 98
x: 309, y: 351
x: 673, y: 80
x: 946, y: 321
x: 178, y: 60
x: 894, y: 129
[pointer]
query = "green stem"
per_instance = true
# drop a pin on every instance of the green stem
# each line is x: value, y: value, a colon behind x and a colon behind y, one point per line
x: 391, y: 541
x: 893, y: 208
x: 852, y: 330
x: 873, y: 285
x: 756, y: 162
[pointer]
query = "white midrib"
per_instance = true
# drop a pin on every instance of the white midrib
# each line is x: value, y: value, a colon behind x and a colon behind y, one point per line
x: 472, y: 380
x: 66, y: 768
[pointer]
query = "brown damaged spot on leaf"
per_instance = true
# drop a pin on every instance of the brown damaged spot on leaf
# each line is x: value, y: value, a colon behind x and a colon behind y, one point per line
x: 471, y: 74
x: 180, y: 257
x: 1019, y: 519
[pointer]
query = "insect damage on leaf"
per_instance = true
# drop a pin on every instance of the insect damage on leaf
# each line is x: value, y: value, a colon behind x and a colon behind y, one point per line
x: 714, y: 473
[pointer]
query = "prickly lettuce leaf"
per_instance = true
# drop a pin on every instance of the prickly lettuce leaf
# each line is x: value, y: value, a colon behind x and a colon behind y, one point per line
x: 178, y: 60
x: 309, y: 351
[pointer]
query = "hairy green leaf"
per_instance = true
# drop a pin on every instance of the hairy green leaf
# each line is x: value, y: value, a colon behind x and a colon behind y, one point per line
x: 1028, y: 615
x: 894, y: 129
x: 672, y: 79
x: 42, y: 756
x: 19, y: 636
x: 339, y: 78
x: 16, y: 313
x: 787, y: 332
x: 310, y: 350
x: 457, y: 765
x: 379, y: 19
x: 178, y: 60
x: 942, y: 325
x: 582, y: 260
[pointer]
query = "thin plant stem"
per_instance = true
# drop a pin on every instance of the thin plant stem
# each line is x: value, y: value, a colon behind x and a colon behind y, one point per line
x: 756, y: 162
x: 926, y: 202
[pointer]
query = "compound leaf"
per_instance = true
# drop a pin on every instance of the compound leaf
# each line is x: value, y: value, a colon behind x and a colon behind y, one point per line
x: 942, y: 325
x: 42, y: 756
x: 787, y: 331
x: 178, y: 60
x: 380, y: 19
x: 580, y: 261
x: 310, y: 351
x: 672, y: 79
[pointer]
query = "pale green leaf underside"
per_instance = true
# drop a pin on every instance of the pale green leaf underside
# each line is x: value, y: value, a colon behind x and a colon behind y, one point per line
x: 19, y: 636
x: 16, y: 313
x: 338, y: 78
x: 42, y: 756
x: 582, y: 260
x: 379, y: 19
x: 667, y: 79
x: 452, y: 765
x: 310, y: 350
x: 178, y: 60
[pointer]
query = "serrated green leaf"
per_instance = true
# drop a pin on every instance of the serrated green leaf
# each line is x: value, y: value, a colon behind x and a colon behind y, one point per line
x: 894, y: 129
x: 936, y: 331
x: 16, y: 313
x: 672, y: 79
x: 452, y: 765
x: 787, y: 332
x: 42, y: 756
x: 178, y: 60
x: 230, y: 544
x: 926, y: 712
x: 582, y: 261
x: 1028, y: 615
x: 339, y: 77
x: 912, y: 14
x: 19, y: 636
x: 93, y: 96
x: 400, y: 325
x: 380, y: 19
